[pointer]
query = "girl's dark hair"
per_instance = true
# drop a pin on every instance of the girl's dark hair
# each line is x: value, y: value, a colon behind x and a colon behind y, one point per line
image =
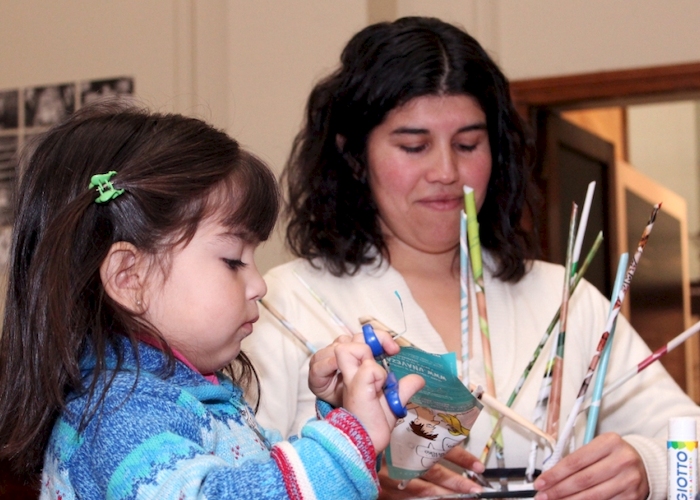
x: 331, y: 211
x: 175, y: 171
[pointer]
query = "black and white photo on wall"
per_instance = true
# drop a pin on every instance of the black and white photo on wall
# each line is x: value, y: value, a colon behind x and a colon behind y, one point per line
x: 9, y: 109
x: 29, y: 111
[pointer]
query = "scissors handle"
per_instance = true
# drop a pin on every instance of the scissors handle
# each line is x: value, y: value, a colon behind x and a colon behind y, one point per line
x: 372, y: 341
x: 391, y: 386
x: 391, y: 393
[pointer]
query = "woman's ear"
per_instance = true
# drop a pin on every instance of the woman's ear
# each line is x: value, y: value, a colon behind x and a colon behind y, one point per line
x: 340, y: 142
x: 123, y: 274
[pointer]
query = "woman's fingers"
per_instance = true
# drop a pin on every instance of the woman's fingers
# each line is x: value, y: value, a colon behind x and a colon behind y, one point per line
x: 439, y: 480
x: 607, y: 467
x: 462, y: 458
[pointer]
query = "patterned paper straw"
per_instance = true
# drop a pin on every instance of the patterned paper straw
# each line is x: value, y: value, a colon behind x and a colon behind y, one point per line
x: 671, y: 345
x: 478, y: 273
x: 495, y: 405
x: 288, y: 326
x: 558, y: 363
x: 336, y: 319
x: 535, y: 355
x: 554, y: 458
x: 546, y: 411
x: 592, y: 420
x: 464, y: 295
x: 583, y: 223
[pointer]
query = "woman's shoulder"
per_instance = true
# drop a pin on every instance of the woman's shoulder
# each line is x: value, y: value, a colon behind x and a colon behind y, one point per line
x: 545, y: 280
x: 539, y: 272
x: 316, y: 271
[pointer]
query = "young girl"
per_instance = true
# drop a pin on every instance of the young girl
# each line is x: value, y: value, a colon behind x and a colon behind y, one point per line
x: 132, y: 283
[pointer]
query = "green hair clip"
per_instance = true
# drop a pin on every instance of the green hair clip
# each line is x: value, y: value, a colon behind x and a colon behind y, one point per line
x: 105, y: 187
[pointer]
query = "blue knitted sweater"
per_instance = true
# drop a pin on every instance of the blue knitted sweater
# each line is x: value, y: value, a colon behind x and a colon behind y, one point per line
x: 181, y: 437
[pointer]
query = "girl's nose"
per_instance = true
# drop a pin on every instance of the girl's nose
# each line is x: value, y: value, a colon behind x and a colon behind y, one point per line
x: 256, y: 287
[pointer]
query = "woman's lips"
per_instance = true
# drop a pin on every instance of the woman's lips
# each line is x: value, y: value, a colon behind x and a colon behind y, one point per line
x: 443, y: 202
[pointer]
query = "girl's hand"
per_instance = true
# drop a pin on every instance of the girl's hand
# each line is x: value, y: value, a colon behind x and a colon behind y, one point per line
x: 325, y: 378
x: 606, y: 467
x: 349, y: 376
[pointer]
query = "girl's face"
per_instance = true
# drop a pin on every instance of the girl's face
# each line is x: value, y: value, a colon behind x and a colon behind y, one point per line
x: 419, y: 159
x: 207, y: 304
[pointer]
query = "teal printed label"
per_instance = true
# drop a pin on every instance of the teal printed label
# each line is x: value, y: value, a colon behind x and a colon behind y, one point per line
x: 440, y: 415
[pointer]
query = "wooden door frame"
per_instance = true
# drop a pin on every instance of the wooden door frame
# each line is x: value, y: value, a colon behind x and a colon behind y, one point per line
x: 658, y: 83
x: 614, y: 88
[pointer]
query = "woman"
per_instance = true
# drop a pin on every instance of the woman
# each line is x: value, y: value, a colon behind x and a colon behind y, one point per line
x: 416, y: 111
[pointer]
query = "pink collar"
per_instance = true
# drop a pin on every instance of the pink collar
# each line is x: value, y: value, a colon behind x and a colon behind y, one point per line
x: 211, y: 377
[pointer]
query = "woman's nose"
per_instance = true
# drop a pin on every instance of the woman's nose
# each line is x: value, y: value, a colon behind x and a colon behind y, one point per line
x: 443, y: 168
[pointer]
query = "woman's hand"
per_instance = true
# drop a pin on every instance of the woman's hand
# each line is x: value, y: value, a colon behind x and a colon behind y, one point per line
x: 438, y: 480
x: 346, y: 374
x: 606, y: 467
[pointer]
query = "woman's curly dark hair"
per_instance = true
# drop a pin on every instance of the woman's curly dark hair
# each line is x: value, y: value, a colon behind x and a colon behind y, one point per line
x: 331, y: 212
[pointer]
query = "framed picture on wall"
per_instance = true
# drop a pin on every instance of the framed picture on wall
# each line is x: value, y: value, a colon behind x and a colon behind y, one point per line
x: 48, y: 105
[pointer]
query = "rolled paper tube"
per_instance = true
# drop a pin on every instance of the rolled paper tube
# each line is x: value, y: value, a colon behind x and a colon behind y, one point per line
x: 655, y: 356
x: 290, y: 328
x: 535, y: 355
x: 592, y: 420
x: 498, y: 407
x: 336, y: 319
x: 583, y: 224
x: 478, y: 273
x: 554, y: 458
x: 554, y: 406
x: 464, y: 295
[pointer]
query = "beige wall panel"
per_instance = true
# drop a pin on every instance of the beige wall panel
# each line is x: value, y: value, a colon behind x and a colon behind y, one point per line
x: 63, y: 41
x: 278, y: 51
x: 541, y: 38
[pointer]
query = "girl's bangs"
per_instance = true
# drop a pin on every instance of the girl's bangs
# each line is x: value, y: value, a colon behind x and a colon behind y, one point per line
x: 248, y: 198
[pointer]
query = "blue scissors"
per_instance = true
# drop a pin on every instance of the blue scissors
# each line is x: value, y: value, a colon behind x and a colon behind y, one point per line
x: 391, y: 387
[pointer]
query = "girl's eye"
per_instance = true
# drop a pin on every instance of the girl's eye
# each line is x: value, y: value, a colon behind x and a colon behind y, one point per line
x: 234, y: 264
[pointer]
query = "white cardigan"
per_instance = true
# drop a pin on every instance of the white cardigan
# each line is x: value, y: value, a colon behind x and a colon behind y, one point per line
x: 518, y: 317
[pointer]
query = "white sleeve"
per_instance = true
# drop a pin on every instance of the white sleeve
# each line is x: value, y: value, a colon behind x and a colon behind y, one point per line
x: 280, y: 360
x: 640, y: 409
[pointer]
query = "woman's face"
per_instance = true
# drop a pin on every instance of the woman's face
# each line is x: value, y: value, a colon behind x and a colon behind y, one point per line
x: 419, y: 159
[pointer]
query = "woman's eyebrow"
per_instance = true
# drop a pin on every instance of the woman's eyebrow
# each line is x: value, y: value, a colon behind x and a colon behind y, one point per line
x: 424, y: 131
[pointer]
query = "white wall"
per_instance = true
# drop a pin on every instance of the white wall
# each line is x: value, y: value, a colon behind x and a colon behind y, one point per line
x: 539, y: 38
x: 64, y: 41
x: 278, y: 51
x: 247, y: 66
x: 552, y: 37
